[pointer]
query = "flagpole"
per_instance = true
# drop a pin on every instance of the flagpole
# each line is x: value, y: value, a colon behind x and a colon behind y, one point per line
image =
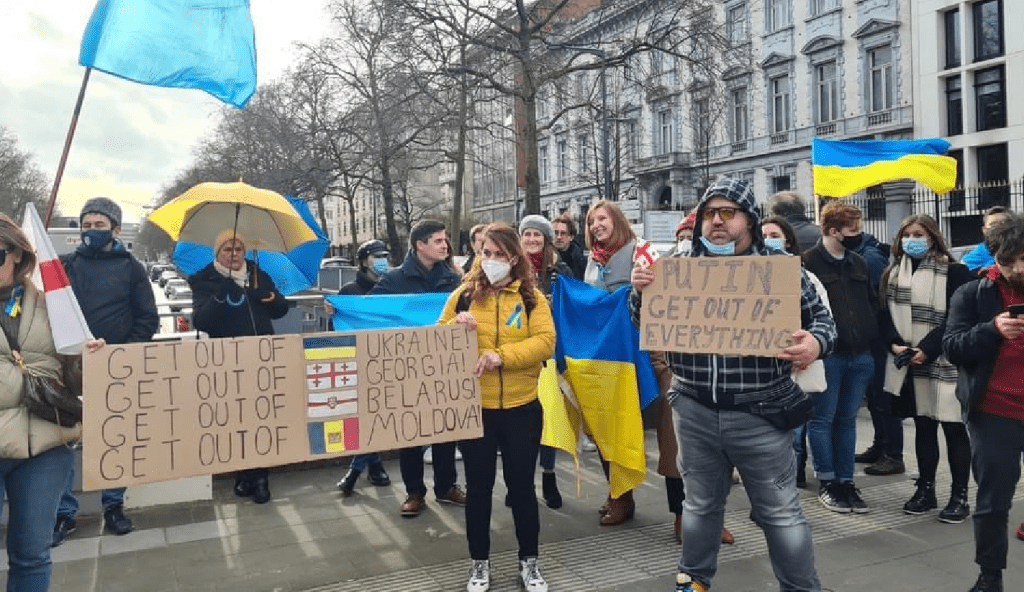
x: 67, y: 148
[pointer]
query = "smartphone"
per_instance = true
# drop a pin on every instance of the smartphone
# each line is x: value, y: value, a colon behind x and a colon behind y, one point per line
x: 1016, y: 310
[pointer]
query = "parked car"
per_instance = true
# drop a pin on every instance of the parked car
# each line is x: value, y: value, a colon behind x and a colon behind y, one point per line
x: 180, y: 298
x: 166, y: 276
x: 335, y: 262
x: 173, y: 285
x: 156, y: 270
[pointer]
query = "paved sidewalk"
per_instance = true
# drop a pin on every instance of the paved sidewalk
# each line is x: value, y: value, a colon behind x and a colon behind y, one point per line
x: 310, y: 538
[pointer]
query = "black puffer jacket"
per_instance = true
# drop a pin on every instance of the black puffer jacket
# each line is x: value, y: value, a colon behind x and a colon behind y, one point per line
x: 359, y: 286
x: 971, y: 340
x: 222, y: 308
x: 413, y: 278
x: 575, y: 258
x: 114, y: 293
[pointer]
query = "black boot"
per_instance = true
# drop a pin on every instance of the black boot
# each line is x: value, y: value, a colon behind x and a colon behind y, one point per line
x: 552, y: 498
x: 243, y: 485
x: 377, y: 475
x: 348, y: 482
x: 923, y: 499
x: 957, y: 510
x: 261, y: 490
x: 988, y: 582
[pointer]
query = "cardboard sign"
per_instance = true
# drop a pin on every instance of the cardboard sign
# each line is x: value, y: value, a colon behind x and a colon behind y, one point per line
x: 160, y: 411
x: 722, y: 305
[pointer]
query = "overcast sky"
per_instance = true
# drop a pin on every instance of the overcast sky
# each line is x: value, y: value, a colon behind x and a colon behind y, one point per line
x: 131, y: 139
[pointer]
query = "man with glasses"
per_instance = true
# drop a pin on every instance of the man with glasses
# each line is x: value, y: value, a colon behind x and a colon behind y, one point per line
x: 568, y: 249
x: 715, y: 399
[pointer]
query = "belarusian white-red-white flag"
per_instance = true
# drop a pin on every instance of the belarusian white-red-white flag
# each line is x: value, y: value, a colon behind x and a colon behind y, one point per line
x: 70, y: 331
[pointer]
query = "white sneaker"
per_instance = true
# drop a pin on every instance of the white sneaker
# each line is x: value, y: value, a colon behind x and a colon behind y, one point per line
x: 479, y: 576
x: 428, y: 455
x: 529, y: 574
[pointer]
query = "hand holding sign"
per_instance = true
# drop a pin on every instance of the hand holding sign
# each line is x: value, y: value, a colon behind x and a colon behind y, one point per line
x: 641, y: 276
x: 804, y: 350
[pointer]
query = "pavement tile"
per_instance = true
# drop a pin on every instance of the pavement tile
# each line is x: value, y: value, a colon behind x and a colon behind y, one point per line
x: 194, y: 532
x: 133, y: 541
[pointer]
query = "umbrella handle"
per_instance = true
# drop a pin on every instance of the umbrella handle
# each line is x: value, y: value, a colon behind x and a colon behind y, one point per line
x: 255, y: 269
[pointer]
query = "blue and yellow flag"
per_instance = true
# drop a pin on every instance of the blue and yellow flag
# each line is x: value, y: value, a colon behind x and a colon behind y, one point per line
x: 352, y: 313
x: 842, y: 167
x: 598, y: 349
x: 205, y: 44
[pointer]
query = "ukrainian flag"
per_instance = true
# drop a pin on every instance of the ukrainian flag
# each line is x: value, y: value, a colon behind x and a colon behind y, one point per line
x: 386, y: 311
x: 598, y: 349
x: 842, y: 167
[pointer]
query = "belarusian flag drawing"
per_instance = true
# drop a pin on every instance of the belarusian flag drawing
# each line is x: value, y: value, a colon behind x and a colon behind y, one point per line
x: 70, y: 331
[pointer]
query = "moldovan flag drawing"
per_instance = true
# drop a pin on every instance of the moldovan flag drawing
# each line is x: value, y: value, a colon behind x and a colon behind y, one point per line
x: 598, y: 351
x: 67, y: 323
x: 204, y: 44
x: 843, y: 167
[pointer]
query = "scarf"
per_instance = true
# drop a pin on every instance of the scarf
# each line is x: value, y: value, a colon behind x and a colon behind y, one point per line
x: 537, y: 260
x: 601, y: 254
x: 917, y: 304
x: 239, y: 276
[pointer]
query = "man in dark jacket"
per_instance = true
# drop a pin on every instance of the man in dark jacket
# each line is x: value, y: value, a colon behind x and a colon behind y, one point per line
x: 425, y: 270
x: 117, y: 300
x: 373, y: 264
x: 985, y: 339
x: 790, y: 206
x: 476, y: 241
x: 568, y: 248
x: 832, y: 431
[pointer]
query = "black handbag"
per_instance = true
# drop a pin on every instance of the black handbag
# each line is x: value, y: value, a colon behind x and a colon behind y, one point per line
x: 786, y: 409
x: 46, y: 397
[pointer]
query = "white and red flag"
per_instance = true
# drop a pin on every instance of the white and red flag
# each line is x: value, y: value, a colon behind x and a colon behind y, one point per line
x: 70, y: 331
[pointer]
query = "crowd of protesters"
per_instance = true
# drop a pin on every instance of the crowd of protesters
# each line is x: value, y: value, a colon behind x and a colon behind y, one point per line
x: 904, y: 327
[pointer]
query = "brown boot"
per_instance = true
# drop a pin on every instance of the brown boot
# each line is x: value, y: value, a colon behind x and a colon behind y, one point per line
x: 679, y: 528
x: 607, y: 504
x: 727, y: 537
x: 620, y: 510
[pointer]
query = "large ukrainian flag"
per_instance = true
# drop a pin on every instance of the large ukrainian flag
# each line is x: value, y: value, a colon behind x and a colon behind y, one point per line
x: 842, y: 167
x: 598, y: 350
x: 386, y: 311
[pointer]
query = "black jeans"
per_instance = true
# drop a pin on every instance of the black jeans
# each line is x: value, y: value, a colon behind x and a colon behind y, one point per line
x: 516, y: 432
x: 888, y: 426
x: 410, y: 462
x: 997, y: 444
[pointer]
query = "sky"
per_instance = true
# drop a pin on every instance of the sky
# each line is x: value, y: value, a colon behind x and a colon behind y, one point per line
x: 131, y: 139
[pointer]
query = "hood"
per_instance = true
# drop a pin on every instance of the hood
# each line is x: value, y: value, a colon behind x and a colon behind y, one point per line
x: 737, y: 191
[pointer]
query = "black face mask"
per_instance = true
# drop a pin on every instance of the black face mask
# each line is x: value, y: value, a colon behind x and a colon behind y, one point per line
x: 853, y: 242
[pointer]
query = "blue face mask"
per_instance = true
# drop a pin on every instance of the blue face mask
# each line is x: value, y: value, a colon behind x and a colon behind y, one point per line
x: 95, y: 240
x: 380, y: 266
x: 915, y: 247
x: 728, y: 248
x: 775, y: 243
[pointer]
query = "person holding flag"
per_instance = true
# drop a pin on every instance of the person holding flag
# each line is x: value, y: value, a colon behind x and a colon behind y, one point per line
x: 117, y: 300
x: 716, y: 434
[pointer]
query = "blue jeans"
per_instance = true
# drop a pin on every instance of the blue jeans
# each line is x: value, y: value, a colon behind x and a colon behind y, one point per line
x: 32, y: 487
x: 68, y: 506
x: 711, y: 443
x: 361, y: 461
x: 832, y: 430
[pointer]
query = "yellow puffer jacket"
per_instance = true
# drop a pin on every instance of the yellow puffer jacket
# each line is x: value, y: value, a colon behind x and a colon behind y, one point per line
x: 523, y: 341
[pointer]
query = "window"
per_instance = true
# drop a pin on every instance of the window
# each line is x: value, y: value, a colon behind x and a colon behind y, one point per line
x: 633, y: 139
x: 583, y: 152
x: 740, y: 114
x: 780, y: 116
x: 781, y: 183
x: 562, y: 145
x: 952, y: 26
x: 582, y: 92
x: 542, y: 163
x: 826, y: 97
x: 656, y: 62
x: 880, y: 62
x: 954, y: 107
x: 776, y: 14
x: 990, y: 98
x: 666, y: 132
x: 820, y: 6
x: 988, y: 29
x: 736, y: 24
x: 993, y: 175
x: 702, y: 124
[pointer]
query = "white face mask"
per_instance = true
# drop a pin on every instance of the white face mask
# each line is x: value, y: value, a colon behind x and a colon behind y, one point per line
x: 495, y: 270
x: 684, y: 246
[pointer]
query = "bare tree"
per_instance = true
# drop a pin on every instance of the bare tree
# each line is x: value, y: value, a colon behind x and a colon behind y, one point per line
x: 21, y: 182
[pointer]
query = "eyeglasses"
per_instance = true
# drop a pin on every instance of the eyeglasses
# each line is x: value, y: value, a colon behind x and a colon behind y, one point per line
x: 3, y: 256
x: 561, y: 233
x: 726, y: 213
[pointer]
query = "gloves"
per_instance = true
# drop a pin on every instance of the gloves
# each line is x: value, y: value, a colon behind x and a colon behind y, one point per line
x: 902, y: 359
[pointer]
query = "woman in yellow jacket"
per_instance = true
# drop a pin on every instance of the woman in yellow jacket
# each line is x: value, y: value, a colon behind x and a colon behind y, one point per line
x: 515, y: 335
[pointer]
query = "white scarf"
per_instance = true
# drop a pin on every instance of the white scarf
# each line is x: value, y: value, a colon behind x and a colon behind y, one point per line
x: 238, y: 275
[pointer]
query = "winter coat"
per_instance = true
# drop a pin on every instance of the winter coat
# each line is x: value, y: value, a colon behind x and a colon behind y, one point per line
x: 222, y: 308
x: 807, y: 233
x: 971, y: 340
x: 523, y: 340
x: 412, y: 278
x: 114, y: 293
x: 575, y: 258
x: 613, y: 276
x: 876, y: 257
x: 546, y: 278
x: 23, y: 435
x: 854, y: 307
x: 359, y: 286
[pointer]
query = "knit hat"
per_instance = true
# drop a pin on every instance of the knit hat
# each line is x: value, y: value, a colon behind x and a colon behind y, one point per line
x: 225, y: 236
x: 737, y: 191
x: 687, y: 222
x: 538, y: 223
x: 102, y: 205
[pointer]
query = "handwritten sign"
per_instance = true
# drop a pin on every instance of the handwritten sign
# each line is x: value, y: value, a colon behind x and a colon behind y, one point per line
x: 160, y: 411
x: 722, y: 305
